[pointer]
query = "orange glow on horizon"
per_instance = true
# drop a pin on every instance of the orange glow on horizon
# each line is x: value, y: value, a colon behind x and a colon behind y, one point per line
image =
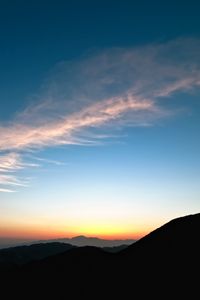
x: 55, y: 229
x: 45, y: 233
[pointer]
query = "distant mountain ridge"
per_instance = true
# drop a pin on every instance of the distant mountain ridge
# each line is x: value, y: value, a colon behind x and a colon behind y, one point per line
x: 164, y: 264
x: 78, y: 241
x: 82, y: 240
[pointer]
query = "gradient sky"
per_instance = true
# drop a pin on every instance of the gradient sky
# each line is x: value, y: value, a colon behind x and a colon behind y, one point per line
x: 99, y: 118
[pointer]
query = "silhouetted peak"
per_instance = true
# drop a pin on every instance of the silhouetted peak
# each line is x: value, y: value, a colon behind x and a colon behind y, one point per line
x: 177, y: 233
x: 79, y: 237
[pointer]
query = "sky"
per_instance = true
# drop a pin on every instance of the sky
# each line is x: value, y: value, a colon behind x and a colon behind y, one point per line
x: 99, y: 117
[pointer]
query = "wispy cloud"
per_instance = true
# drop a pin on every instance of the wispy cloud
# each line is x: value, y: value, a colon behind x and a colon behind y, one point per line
x: 12, y: 162
x: 65, y: 129
x: 6, y: 190
x: 115, y: 86
x: 12, y: 180
x: 9, y: 164
x: 45, y: 160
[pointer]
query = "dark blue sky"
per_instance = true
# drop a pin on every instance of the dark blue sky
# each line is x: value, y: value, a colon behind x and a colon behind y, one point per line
x: 36, y: 35
x: 99, y: 118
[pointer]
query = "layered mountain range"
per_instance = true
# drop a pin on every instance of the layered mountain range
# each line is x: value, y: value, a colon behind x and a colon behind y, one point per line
x: 164, y: 264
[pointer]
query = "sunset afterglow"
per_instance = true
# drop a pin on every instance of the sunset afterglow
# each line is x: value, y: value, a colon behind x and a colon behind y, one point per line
x: 99, y: 120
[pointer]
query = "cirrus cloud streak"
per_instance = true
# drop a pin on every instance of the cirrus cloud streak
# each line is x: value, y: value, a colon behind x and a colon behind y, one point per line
x: 118, y: 86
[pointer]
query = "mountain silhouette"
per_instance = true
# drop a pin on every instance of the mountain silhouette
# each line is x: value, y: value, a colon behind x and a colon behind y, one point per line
x: 82, y: 240
x: 13, y: 242
x: 78, y: 241
x: 177, y: 234
x: 163, y: 264
x: 24, y: 254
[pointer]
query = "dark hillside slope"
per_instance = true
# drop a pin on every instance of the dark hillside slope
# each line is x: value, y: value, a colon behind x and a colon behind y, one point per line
x: 164, y: 264
x: 176, y: 235
x: 24, y: 254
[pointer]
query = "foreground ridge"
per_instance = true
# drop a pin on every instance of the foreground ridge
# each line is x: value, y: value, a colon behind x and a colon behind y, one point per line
x: 165, y: 260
